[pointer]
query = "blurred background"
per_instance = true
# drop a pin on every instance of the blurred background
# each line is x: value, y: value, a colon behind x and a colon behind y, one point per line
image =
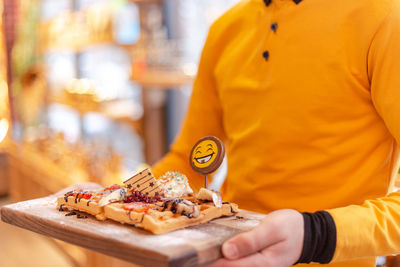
x: 90, y: 90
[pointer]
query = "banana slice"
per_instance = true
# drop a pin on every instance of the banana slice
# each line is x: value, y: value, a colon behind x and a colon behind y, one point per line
x: 115, y: 196
x: 210, y: 195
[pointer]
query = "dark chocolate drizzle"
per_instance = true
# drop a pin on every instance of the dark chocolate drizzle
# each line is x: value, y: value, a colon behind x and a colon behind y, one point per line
x: 230, y: 205
x: 68, y: 194
x: 142, y: 218
x: 71, y: 213
x: 172, y: 205
x: 232, y: 210
x: 61, y: 207
x: 80, y: 216
x: 173, y: 209
x: 129, y: 214
x: 169, y: 204
x: 164, y: 206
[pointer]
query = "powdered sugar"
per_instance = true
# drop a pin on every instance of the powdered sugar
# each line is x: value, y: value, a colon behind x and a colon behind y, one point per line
x: 204, y: 237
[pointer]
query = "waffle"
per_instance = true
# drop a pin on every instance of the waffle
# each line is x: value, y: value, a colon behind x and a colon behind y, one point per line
x: 86, y: 201
x: 81, y: 204
x: 160, y: 215
x: 158, y: 222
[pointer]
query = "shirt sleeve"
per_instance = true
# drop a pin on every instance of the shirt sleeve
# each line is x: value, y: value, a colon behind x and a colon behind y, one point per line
x: 373, y: 228
x: 204, y: 117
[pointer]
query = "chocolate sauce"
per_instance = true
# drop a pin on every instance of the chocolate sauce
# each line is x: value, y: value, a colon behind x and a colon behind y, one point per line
x: 76, y: 198
x: 71, y: 213
x: 89, y: 202
x: 165, y: 205
x: 129, y: 214
x: 173, y: 209
x: 67, y: 195
x: 230, y: 205
x: 80, y: 216
x: 61, y: 207
x: 142, y: 218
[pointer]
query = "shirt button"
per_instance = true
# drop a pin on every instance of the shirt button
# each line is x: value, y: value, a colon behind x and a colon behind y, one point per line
x: 265, y: 55
x: 267, y: 2
x: 274, y: 27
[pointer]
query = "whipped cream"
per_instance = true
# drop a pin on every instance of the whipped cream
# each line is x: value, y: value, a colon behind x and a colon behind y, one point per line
x: 174, y: 184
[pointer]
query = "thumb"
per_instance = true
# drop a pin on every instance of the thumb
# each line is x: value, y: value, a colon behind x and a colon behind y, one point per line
x: 252, y: 241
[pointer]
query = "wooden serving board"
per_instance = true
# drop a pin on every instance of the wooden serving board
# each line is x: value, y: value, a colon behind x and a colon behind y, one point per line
x: 187, y: 247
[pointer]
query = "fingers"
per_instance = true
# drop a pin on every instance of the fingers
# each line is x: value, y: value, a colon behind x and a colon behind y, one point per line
x: 276, y: 242
x: 253, y: 260
x: 250, y: 242
x: 267, y: 258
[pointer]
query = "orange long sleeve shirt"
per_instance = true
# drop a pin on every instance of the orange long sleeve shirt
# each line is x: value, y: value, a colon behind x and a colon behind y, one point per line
x: 306, y: 98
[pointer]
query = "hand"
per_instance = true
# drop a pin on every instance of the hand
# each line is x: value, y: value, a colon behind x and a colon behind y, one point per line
x: 276, y: 242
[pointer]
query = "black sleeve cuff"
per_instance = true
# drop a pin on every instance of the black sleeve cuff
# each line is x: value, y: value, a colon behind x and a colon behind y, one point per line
x: 319, y: 238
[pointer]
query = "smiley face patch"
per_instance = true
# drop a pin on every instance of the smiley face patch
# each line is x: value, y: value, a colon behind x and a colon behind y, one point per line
x: 204, y: 153
x: 207, y: 155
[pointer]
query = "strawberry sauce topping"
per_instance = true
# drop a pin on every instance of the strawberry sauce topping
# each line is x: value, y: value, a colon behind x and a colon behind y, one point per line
x: 140, y: 197
x: 112, y: 187
x: 136, y: 206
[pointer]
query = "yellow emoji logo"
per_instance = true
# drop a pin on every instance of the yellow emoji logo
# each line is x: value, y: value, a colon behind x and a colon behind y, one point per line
x: 204, y: 153
x: 207, y: 155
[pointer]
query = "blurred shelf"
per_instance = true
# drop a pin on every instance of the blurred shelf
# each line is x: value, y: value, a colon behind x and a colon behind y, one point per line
x: 74, y: 47
x: 3, y: 173
x: 81, y: 105
x: 119, y: 110
x: 162, y: 79
x: 34, y: 175
x: 116, y: 109
x: 146, y: 1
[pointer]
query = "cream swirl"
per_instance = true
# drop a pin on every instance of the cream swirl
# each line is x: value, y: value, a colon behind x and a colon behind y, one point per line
x: 174, y: 184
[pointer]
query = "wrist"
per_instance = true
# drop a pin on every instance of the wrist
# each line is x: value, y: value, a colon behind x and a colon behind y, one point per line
x: 319, y: 238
